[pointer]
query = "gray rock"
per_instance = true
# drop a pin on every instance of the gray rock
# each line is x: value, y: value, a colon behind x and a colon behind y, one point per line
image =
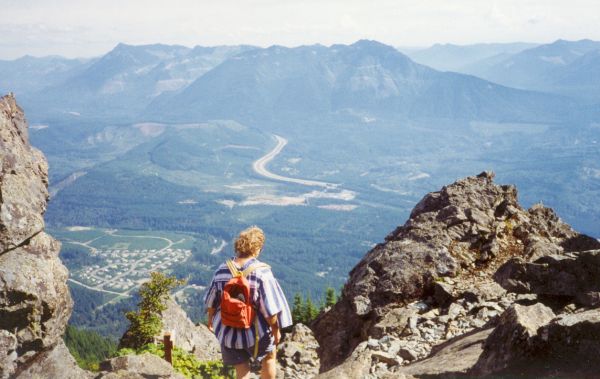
x: 394, y: 321
x: 408, y: 354
x: 23, y: 179
x: 297, y: 355
x: 387, y: 358
x: 576, y: 275
x: 463, y: 233
x: 453, y: 357
x: 54, y: 363
x: 455, y: 310
x: 193, y: 338
x: 35, y: 303
x: 513, y: 338
x: 145, y: 365
x: 484, y: 292
x: 441, y: 238
x: 443, y: 293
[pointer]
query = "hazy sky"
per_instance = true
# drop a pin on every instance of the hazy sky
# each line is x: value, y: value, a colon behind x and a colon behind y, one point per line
x: 92, y: 27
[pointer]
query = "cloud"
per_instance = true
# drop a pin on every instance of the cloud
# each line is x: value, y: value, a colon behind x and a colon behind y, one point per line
x: 91, y: 27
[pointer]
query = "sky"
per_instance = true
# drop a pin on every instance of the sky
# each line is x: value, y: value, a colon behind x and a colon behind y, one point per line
x: 84, y: 28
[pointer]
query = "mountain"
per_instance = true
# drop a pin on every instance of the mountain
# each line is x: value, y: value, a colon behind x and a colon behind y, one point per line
x: 450, y: 57
x: 366, y: 77
x: 561, y: 67
x: 126, y: 79
x: 30, y: 74
x: 580, y: 79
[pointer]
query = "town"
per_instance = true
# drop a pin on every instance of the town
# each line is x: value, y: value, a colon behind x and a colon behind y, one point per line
x: 124, y: 270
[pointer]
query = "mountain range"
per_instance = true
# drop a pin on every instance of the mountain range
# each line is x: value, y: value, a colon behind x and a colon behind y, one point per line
x: 176, y: 83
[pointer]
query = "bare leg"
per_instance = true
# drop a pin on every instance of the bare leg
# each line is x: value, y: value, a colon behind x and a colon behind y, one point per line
x: 242, y: 371
x: 269, y: 366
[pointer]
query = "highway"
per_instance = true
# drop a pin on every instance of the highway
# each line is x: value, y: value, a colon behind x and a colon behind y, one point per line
x: 260, y: 167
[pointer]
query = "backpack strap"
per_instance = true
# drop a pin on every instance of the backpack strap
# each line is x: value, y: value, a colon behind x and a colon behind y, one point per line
x: 235, y: 272
x: 254, y: 267
x: 233, y: 269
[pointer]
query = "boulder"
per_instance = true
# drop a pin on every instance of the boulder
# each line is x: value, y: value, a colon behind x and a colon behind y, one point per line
x: 54, y: 363
x: 574, y: 274
x: 454, y: 357
x: 297, y: 355
x: 147, y: 366
x: 513, y: 339
x: 566, y: 347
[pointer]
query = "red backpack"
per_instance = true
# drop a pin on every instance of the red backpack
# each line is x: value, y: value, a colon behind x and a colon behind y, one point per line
x: 237, y: 309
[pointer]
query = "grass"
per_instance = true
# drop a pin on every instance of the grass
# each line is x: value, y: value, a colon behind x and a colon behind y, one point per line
x: 124, y: 239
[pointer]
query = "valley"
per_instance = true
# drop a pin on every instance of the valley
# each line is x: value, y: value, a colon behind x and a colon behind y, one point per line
x: 327, y: 148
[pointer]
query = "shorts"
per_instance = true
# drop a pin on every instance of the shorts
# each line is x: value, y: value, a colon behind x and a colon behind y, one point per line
x: 236, y: 356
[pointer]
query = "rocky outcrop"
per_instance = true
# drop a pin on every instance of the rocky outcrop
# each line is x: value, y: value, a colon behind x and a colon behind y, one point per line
x: 297, y: 355
x: 35, y: 303
x: 143, y: 366
x: 513, y: 338
x: 575, y: 275
x: 196, y: 339
x: 421, y: 301
x: 55, y: 363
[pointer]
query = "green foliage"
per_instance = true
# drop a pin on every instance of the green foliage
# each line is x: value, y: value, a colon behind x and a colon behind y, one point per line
x: 185, y: 363
x: 310, y: 311
x: 330, y: 297
x: 305, y: 311
x: 88, y: 348
x: 297, y: 309
x: 146, y: 322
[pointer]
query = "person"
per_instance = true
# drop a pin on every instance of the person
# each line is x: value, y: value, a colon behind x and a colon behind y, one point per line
x: 273, y: 312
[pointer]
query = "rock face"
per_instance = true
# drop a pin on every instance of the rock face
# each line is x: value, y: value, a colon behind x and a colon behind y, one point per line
x: 297, y: 355
x: 513, y: 338
x: 35, y: 303
x: 575, y: 275
x: 55, y: 363
x: 196, y: 339
x: 143, y: 366
x: 430, y: 287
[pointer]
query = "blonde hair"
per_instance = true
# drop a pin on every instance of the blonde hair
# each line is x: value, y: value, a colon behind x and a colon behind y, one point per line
x: 249, y: 242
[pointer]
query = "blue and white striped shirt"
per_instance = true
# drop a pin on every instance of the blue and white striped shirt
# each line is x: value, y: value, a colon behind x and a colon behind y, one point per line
x: 266, y: 294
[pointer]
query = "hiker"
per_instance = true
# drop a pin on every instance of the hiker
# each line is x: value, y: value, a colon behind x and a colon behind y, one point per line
x: 247, y: 308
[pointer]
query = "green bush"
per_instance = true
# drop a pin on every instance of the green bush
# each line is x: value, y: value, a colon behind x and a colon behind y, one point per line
x: 185, y: 363
x: 146, y: 322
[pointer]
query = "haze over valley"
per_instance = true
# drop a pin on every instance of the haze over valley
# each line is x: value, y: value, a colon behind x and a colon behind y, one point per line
x: 327, y: 148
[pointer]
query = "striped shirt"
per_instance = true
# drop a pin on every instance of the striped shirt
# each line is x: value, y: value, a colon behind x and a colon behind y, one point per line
x: 266, y: 294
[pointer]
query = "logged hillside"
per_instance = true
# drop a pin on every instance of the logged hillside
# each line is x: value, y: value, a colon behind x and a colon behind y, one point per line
x: 366, y: 76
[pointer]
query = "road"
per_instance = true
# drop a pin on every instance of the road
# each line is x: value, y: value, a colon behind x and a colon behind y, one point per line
x: 260, y: 167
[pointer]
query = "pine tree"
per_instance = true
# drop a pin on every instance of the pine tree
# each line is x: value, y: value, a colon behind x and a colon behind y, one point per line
x: 330, y: 297
x: 298, y: 309
x: 147, y: 321
x: 310, y: 311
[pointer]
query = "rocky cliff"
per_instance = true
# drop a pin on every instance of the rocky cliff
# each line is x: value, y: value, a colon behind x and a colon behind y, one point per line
x: 427, y: 300
x: 35, y: 303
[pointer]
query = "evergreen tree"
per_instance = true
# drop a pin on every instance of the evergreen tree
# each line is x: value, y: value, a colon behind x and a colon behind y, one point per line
x: 330, y: 297
x: 87, y: 347
x: 310, y: 311
x: 298, y: 309
x: 146, y: 322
